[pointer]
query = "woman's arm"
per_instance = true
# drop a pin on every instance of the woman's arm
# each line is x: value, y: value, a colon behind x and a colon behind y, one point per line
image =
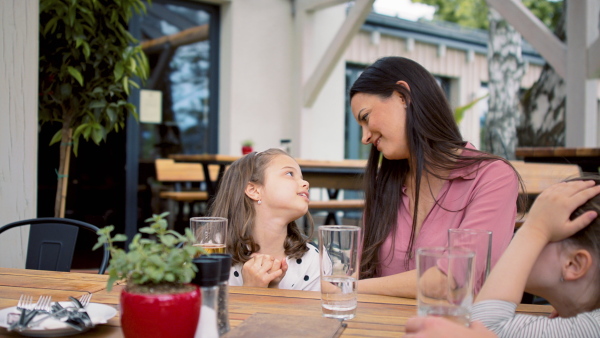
x: 400, y: 285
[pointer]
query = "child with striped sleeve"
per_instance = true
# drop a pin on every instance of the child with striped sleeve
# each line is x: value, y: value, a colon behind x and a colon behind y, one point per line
x: 555, y: 255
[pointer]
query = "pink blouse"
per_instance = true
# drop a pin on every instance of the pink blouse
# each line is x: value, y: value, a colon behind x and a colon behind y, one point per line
x: 471, y: 199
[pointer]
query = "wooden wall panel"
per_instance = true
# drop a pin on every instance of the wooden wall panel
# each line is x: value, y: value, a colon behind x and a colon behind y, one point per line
x: 19, y: 22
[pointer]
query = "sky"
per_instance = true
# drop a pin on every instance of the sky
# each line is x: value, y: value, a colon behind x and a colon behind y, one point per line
x: 404, y: 9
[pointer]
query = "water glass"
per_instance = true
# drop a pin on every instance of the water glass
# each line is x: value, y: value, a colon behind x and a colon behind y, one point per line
x: 338, y: 253
x: 478, y: 240
x: 445, y: 283
x: 210, y: 233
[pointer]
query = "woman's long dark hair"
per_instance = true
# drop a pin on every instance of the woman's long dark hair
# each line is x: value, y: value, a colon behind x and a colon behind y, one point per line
x: 232, y: 203
x: 433, y: 139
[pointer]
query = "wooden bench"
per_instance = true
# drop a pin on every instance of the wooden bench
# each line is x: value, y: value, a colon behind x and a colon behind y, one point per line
x: 539, y: 176
x: 184, y: 183
x: 332, y: 206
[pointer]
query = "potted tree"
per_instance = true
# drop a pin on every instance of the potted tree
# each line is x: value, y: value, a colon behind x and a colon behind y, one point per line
x: 88, y: 64
x: 158, y: 300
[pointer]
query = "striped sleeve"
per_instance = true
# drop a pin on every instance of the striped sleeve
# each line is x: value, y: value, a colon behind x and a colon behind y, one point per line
x: 500, y: 317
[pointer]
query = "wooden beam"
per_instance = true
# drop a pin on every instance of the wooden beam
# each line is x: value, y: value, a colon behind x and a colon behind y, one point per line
x: 582, y: 102
x: 535, y: 32
x: 315, y: 5
x: 334, y: 52
x: 593, y: 56
x: 185, y: 37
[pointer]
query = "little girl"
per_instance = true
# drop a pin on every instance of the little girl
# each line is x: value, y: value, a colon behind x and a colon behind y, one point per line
x: 555, y: 255
x: 262, y: 194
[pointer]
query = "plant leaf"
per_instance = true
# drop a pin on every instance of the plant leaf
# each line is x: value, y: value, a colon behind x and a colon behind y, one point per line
x: 76, y: 74
x: 56, y: 138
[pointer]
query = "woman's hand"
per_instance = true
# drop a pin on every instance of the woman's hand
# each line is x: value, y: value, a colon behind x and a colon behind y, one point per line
x: 430, y: 327
x: 549, y: 214
x: 259, y: 272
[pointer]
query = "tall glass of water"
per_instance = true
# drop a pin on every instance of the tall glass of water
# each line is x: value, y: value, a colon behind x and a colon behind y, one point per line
x: 210, y: 233
x: 478, y: 240
x: 445, y: 283
x: 338, y: 252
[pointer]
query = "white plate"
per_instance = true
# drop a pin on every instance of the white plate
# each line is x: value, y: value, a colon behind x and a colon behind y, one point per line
x: 99, y: 313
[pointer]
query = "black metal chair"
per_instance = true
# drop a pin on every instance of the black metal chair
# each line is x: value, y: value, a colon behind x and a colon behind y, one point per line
x: 52, y: 242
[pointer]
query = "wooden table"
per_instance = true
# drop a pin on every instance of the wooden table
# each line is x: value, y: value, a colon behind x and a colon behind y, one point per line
x: 587, y: 158
x: 376, y: 316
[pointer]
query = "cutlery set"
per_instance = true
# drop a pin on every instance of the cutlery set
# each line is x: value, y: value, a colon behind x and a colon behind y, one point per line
x: 33, y: 314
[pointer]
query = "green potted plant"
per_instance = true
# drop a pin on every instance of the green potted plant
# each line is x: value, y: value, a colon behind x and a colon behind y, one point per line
x: 247, y: 147
x: 158, y: 299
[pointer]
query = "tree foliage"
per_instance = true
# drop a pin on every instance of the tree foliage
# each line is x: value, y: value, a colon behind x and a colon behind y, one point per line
x: 473, y: 13
x: 87, y: 65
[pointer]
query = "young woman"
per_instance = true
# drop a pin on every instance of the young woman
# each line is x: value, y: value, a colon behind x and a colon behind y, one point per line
x: 262, y: 194
x: 422, y: 178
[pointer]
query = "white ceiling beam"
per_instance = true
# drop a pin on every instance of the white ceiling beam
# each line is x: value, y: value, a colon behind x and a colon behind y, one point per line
x: 315, y: 5
x: 535, y: 32
x: 215, y: 2
x: 593, y: 57
x: 333, y: 54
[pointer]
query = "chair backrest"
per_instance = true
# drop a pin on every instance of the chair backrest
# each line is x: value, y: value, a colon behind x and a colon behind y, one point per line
x: 52, y: 243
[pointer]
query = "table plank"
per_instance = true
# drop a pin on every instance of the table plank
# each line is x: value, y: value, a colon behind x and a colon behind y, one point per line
x: 376, y: 316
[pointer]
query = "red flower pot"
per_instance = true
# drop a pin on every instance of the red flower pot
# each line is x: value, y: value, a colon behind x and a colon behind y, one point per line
x: 160, y: 315
x: 246, y: 150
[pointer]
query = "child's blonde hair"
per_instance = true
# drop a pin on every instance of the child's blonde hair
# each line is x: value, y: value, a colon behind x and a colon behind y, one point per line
x: 232, y: 203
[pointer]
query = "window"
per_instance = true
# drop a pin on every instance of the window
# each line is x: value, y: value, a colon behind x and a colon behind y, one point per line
x: 184, y: 68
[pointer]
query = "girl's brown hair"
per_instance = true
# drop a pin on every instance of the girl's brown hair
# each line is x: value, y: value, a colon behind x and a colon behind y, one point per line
x: 433, y: 138
x: 232, y: 203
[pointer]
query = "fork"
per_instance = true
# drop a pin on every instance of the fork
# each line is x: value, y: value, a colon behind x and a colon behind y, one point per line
x: 25, y: 302
x: 29, y: 310
x: 85, y: 299
x: 43, y: 304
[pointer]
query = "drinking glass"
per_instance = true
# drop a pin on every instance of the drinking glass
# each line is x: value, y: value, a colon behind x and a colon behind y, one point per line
x: 478, y: 240
x: 445, y: 283
x: 338, y: 253
x: 210, y: 233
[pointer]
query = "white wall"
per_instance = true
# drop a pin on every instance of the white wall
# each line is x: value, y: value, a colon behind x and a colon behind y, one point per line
x: 322, y: 125
x: 256, y: 67
x: 18, y: 123
x: 258, y: 95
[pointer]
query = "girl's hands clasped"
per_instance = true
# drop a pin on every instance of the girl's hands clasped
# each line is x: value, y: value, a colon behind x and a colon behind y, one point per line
x: 549, y: 215
x: 263, y: 271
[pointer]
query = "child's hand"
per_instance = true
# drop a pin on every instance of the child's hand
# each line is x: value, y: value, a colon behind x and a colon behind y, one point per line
x: 278, y: 265
x: 550, y: 212
x: 257, y: 272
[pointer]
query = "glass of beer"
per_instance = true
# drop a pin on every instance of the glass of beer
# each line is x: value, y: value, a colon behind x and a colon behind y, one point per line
x: 210, y: 233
